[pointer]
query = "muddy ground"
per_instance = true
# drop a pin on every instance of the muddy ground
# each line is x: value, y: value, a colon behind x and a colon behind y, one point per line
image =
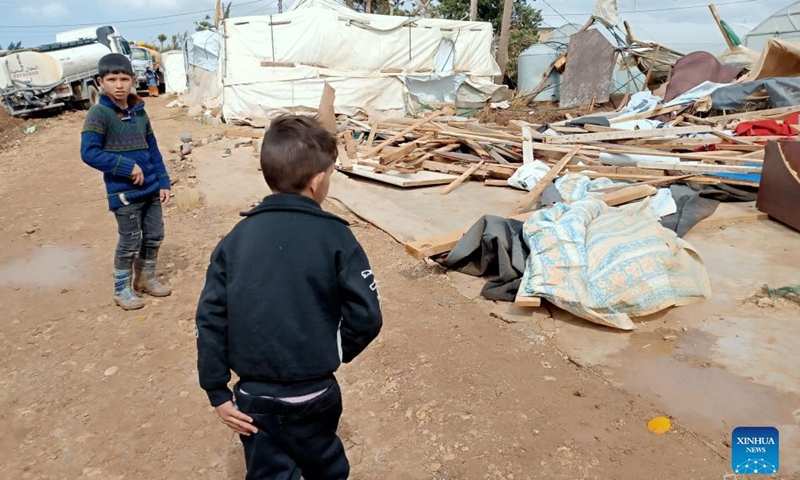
x: 446, y: 392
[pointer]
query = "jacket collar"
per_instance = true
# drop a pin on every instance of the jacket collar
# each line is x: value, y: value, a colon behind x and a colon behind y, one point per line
x: 135, y: 104
x: 282, y: 202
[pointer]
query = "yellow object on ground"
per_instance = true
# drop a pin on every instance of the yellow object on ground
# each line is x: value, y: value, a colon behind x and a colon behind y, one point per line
x: 659, y: 425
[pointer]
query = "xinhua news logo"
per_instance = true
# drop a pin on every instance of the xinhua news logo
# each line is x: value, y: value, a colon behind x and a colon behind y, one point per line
x: 755, y: 451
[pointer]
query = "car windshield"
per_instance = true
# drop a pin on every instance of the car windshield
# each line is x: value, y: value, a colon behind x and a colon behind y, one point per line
x: 138, y: 54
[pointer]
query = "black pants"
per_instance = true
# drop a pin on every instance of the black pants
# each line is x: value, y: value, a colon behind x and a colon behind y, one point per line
x: 141, y: 231
x: 294, y: 439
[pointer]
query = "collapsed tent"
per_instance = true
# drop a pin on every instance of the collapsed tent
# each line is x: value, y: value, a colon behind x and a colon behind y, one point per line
x: 376, y: 63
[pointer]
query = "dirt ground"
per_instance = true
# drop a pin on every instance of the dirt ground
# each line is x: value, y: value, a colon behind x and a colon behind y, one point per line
x: 446, y: 392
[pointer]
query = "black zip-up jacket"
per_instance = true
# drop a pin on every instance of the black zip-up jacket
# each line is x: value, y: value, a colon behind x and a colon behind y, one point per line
x: 289, y: 295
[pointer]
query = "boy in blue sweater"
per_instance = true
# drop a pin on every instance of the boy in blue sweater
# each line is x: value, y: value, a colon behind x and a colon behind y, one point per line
x: 118, y: 140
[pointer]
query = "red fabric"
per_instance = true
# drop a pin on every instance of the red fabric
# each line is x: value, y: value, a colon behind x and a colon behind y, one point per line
x: 765, y: 127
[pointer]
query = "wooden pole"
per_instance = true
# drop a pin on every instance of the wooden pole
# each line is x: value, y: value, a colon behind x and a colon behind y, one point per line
x: 473, y: 10
x: 717, y: 19
x: 527, y: 202
x: 505, y: 36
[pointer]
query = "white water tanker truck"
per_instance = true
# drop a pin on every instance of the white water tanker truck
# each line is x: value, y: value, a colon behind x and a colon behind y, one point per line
x: 58, y: 75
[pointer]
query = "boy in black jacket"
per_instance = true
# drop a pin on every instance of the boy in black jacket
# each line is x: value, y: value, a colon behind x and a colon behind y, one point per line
x: 289, y: 295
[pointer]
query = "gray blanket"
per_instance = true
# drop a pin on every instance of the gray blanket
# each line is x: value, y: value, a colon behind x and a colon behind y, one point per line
x: 493, y: 247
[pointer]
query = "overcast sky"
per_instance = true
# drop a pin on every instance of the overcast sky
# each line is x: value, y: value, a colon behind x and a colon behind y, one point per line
x: 36, y: 22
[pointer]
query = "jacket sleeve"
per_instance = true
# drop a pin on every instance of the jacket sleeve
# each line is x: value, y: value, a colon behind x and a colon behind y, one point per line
x: 212, y: 332
x: 158, y: 160
x: 92, y: 140
x: 361, y: 305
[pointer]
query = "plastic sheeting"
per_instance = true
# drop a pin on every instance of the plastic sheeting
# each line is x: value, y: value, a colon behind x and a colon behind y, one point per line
x: 202, y: 50
x: 174, y: 71
x: 363, y: 56
x: 782, y: 91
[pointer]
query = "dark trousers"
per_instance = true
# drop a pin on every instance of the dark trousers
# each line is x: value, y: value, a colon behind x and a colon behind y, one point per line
x: 294, y: 439
x: 141, y: 231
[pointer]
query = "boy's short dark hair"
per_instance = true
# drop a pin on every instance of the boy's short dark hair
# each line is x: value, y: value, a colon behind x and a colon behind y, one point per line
x: 114, y: 63
x: 294, y: 149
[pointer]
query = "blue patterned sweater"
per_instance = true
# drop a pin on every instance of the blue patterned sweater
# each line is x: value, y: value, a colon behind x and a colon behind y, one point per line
x: 113, y: 141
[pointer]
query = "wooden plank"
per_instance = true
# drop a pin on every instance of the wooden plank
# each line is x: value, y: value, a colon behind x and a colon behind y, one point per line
x: 445, y: 242
x: 624, y: 135
x: 645, y: 115
x: 326, y: 113
x: 258, y: 134
x: 373, y: 130
x: 403, y: 180
x: 769, y: 113
x: 461, y: 157
x: 728, y: 138
x: 629, y: 194
x: 532, y: 196
x: 398, y: 153
x: 350, y: 145
x: 659, y: 181
x: 700, y: 168
x: 278, y: 64
x: 496, y: 183
x: 497, y: 157
x: 717, y: 19
x: 458, y: 181
x: 527, y: 145
x: 344, y: 158
x: 475, y: 146
x: 508, y: 153
x: 700, y: 180
x: 527, y: 302
x: 375, y: 150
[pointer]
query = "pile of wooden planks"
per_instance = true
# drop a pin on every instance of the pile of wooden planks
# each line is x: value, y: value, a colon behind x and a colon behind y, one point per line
x: 453, y: 150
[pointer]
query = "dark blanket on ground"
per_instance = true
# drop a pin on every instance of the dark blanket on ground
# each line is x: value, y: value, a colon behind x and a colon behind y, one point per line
x: 493, y: 247
x: 697, y: 202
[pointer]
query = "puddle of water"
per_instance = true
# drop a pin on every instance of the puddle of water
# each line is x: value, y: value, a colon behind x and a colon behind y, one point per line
x: 48, y: 267
x: 763, y: 349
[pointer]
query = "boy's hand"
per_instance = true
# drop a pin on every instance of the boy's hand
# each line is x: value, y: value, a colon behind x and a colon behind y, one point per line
x: 137, y: 175
x: 236, y: 420
x: 165, y: 195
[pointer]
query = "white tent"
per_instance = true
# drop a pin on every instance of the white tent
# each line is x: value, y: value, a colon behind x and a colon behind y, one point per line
x: 174, y: 71
x: 784, y: 24
x: 376, y: 63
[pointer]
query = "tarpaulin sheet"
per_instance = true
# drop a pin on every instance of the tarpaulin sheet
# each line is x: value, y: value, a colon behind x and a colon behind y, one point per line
x: 782, y: 91
x: 202, y: 50
x: 696, y: 68
x: 778, y: 59
x: 608, y: 265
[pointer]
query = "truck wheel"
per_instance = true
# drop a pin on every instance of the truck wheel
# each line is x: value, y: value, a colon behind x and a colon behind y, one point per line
x: 93, y: 95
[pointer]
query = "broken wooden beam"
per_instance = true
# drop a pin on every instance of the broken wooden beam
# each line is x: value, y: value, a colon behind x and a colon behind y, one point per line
x: 458, y: 181
x: 526, y: 203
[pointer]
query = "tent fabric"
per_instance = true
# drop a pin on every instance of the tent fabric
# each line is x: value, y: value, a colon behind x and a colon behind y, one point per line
x: 779, y: 59
x: 608, y: 265
x: 174, y: 71
x: 202, y: 50
x: 366, y: 56
x: 782, y: 92
x: 694, y: 69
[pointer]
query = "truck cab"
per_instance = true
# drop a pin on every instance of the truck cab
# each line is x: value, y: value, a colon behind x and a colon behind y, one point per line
x: 141, y: 58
